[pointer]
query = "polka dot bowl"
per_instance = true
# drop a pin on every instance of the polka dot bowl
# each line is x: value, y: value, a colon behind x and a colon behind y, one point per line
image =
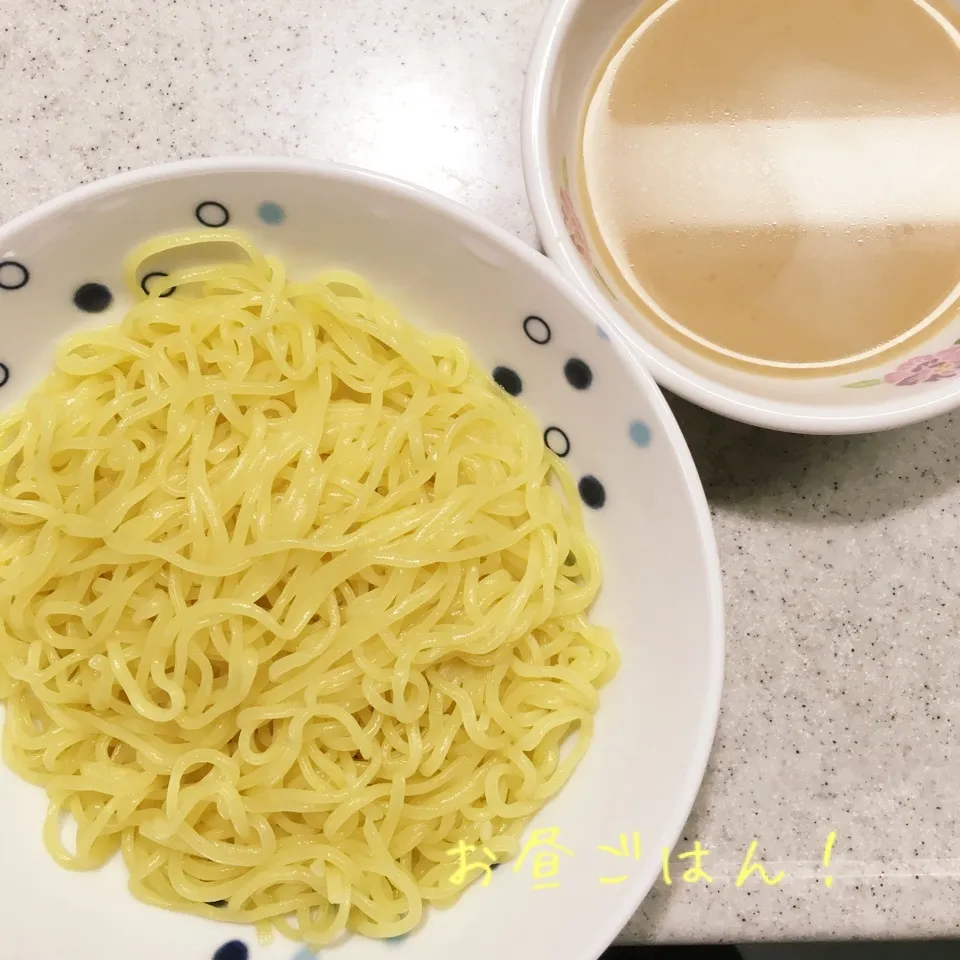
x: 61, y: 267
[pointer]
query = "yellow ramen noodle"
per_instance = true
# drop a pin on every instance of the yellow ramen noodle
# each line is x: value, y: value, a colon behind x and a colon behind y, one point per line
x: 293, y: 601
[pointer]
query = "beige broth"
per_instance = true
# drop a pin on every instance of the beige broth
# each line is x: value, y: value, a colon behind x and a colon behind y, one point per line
x: 779, y: 180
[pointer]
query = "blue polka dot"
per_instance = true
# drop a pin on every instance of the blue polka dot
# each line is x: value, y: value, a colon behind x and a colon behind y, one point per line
x: 640, y: 433
x: 234, y: 950
x: 271, y: 213
x: 602, y: 334
x: 304, y: 954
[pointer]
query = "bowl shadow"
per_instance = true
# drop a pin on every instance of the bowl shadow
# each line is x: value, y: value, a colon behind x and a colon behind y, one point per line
x: 848, y: 479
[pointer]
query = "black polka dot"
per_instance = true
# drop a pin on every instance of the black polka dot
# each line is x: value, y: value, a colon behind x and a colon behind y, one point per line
x: 13, y: 275
x: 578, y: 374
x: 217, y: 903
x: 234, y: 950
x: 557, y: 441
x: 92, y: 298
x: 494, y: 866
x: 537, y: 329
x: 509, y: 380
x: 592, y: 492
x: 4, y: 374
x: 145, y: 287
x: 212, y: 214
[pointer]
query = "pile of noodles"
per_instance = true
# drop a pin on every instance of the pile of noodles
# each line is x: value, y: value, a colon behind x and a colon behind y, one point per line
x: 293, y: 600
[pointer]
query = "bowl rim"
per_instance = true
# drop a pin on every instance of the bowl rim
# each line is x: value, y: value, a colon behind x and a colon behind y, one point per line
x: 642, y: 882
x: 540, y: 180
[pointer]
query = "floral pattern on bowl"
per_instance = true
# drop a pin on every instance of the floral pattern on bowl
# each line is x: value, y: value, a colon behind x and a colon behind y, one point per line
x: 578, y: 236
x: 571, y: 220
x: 923, y: 368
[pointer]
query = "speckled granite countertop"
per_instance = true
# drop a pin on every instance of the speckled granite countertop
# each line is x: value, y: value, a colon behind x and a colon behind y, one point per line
x: 840, y: 556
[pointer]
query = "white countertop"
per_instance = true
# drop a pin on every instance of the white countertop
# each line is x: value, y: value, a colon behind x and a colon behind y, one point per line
x: 840, y: 556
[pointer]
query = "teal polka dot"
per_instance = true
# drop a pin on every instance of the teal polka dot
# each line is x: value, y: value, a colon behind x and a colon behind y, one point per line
x: 304, y: 954
x: 395, y: 941
x: 271, y: 213
x: 640, y: 433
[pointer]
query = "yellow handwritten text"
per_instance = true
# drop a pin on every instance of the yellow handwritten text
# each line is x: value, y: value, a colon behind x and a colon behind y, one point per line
x: 464, y: 867
x: 543, y: 850
x: 696, y: 873
x: 546, y: 862
x: 622, y: 851
x: 749, y: 868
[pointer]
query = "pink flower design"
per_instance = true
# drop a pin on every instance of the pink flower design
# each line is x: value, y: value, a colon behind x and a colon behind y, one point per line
x: 927, y: 368
x: 573, y: 225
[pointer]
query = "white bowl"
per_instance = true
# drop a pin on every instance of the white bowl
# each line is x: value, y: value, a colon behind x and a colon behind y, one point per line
x: 573, y: 40
x: 447, y: 269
